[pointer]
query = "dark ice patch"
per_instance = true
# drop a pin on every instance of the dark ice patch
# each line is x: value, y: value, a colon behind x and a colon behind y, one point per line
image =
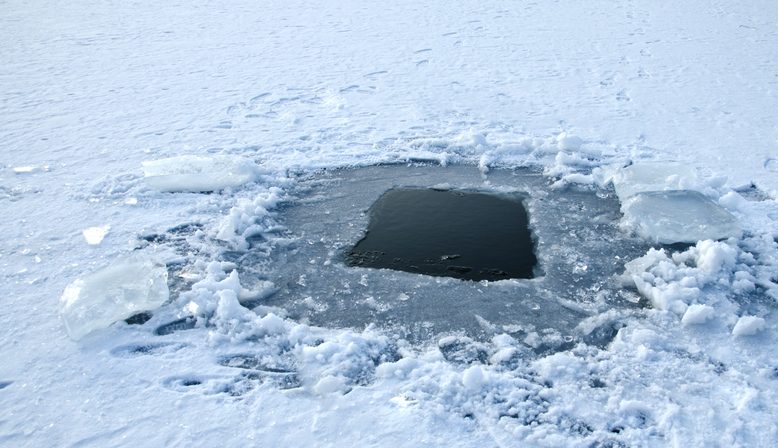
x: 134, y: 350
x: 139, y: 319
x: 253, y: 363
x: 187, y: 323
x: 603, y: 335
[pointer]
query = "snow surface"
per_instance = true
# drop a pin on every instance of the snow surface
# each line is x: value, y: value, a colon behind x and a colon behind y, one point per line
x: 579, y: 90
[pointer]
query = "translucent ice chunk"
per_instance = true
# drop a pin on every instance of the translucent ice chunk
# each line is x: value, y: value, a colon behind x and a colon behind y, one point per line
x: 680, y: 216
x: 654, y: 176
x: 194, y: 173
x: 129, y: 285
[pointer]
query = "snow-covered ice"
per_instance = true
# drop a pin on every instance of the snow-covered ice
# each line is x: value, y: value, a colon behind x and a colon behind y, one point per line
x: 678, y: 216
x: 129, y: 285
x: 267, y: 339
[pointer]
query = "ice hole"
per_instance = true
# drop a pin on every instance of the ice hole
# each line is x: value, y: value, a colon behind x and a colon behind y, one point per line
x: 452, y: 233
x: 576, y: 238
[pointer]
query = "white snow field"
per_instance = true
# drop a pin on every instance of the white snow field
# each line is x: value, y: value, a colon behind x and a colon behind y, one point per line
x: 661, y: 344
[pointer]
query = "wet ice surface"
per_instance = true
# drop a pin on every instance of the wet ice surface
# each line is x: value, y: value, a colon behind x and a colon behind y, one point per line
x: 578, y: 245
x: 450, y: 233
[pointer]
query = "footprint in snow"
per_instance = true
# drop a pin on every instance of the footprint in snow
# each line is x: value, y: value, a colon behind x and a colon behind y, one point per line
x: 370, y: 75
x: 186, y: 323
x: 209, y: 384
x: 281, y: 376
x: 259, y: 99
x: 135, y: 350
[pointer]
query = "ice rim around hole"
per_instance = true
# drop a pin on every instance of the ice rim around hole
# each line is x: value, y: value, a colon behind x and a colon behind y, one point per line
x: 330, y: 212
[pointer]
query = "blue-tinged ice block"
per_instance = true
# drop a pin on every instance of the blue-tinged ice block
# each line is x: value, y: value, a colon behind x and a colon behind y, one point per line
x: 194, y: 173
x: 678, y: 216
x: 129, y: 285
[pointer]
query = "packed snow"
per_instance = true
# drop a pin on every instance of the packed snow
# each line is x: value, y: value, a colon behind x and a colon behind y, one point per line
x: 178, y: 182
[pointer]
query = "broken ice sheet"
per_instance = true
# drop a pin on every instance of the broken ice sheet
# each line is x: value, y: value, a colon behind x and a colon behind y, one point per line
x: 653, y: 176
x: 129, y: 285
x: 194, y: 173
x: 680, y: 216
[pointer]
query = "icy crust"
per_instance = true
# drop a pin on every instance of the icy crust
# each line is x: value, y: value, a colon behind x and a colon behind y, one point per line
x: 196, y: 173
x: 680, y: 216
x: 131, y: 284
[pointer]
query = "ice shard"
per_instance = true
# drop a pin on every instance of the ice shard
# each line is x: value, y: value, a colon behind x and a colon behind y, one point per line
x: 131, y: 284
x: 193, y: 173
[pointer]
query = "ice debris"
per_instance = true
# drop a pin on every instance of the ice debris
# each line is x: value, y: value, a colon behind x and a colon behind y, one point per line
x: 678, y: 216
x: 697, y: 314
x: 748, y: 325
x: 567, y: 142
x: 673, y: 282
x: 473, y: 378
x: 194, y: 173
x: 95, y: 235
x: 131, y: 284
x: 654, y: 176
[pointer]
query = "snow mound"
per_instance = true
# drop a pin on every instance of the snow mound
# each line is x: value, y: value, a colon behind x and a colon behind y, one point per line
x: 193, y: 173
x: 654, y: 176
x: 129, y: 285
x: 680, y: 216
